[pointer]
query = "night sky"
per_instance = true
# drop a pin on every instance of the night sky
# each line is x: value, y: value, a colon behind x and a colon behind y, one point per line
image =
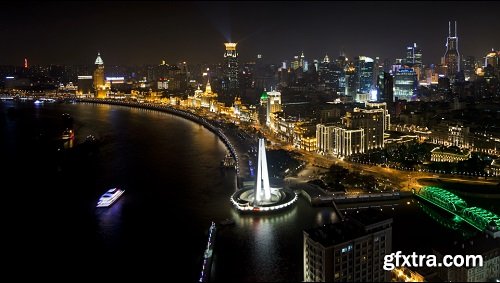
x: 136, y: 33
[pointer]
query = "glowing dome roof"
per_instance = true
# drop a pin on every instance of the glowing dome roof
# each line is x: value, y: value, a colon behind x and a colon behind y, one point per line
x: 263, y: 95
x: 98, y: 60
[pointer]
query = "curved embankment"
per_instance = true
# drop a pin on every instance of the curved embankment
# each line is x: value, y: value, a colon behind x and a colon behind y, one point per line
x: 178, y: 112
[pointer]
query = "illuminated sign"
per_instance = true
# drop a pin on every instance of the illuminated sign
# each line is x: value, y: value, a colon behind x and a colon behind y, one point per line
x: 9, y: 78
x: 84, y: 77
x: 115, y: 78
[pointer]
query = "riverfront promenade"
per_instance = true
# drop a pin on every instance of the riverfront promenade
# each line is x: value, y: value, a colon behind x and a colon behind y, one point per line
x: 237, y: 146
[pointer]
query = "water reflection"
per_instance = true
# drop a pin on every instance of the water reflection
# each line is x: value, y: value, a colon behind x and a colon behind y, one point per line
x: 109, y: 219
x: 257, y: 221
x: 449, y: 221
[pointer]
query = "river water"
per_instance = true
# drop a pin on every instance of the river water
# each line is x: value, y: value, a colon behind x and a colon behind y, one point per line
x: 174, y: 186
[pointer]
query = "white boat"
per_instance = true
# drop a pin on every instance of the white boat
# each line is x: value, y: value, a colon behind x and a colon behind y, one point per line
x: 109, y: 197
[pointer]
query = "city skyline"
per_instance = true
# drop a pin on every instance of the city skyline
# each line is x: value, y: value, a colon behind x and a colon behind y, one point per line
x: 150, y: 31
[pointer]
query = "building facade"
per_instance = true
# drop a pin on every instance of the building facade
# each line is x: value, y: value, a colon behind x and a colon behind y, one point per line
x: 351, y: 250
x: 372, y: 121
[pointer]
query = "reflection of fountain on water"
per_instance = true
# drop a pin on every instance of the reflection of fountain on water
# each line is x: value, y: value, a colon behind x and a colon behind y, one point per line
x: 252, y: 219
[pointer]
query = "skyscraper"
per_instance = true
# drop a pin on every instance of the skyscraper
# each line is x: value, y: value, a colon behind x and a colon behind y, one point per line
x: 413, y: 56
x: 469, y: 67
x: 410, y: 57
x: 230, y: 81
x: 451, y: 56
x: 385, y: 84
x: 417, y: 52
x: 364, y: 70
x: 350, y: 80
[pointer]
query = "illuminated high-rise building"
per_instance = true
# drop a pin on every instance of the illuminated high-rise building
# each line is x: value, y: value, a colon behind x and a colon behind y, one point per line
x: 372, y: 121
x: 492, y: 58
x: 385, y: 85
x: 99, y: 79
x: 413, y: 56
x: 295, y: 64
x: 364, y: 73
x: 451, y: 56
x: 273, y: 105
x: 230, y: 81
x: 417, y: 52
x: 301, y: 61
x: 469, y: 67
x: 405, y: 84
x: 350, y: 80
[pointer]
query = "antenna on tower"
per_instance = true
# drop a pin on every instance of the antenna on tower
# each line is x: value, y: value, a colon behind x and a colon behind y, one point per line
x: 455, y: 28
x: 449, y: 28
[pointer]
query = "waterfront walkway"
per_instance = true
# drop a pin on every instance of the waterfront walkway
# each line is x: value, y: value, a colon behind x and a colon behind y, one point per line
x: 228, y: 135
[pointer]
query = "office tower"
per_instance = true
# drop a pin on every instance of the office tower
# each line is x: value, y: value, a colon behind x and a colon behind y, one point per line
x: 417, y: 52
x: 410, y: 57
x: 99, y: 81
x: 230, y: 81
x: 452, y: 56
x: 413, y: 56
x: 469, y: 67
x: 372, y: 121
x: 382, y: 106
x: 387, y: 65
x: 385, y: 84
x: 273, y: 105
x: 364, y: 71
x: 330, y: 74
x: 295, y: 64
x: 350, y: 80
x: 339, y: 141
x: 351, y: 250
x: 405, y: 83
x: 492, y: 58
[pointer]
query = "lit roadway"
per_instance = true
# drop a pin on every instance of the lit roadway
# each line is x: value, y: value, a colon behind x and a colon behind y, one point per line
x: 405, y: 179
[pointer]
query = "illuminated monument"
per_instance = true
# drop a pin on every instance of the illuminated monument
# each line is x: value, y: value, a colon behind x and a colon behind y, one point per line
x: 263, y: 189
x: 262, y: 197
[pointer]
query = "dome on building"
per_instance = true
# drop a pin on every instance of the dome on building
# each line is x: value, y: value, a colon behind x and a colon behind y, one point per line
x: 263, y: 96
